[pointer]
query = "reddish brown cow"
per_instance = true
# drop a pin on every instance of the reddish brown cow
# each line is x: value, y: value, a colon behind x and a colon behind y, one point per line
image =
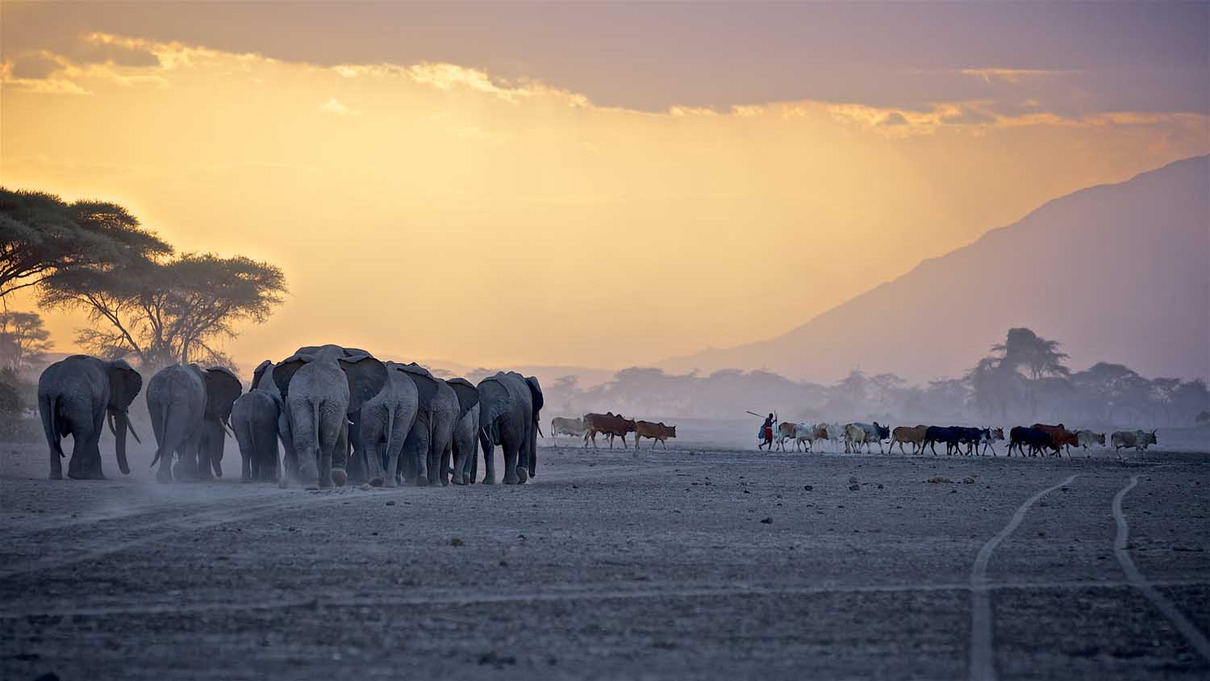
x: 1060, y: 437
x: 608, y: 424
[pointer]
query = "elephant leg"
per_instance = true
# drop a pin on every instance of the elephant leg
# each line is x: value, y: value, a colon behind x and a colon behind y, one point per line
x: 52, y: 439
x: 489, y: 459
x: 474, y: 465
x: 511, y: 452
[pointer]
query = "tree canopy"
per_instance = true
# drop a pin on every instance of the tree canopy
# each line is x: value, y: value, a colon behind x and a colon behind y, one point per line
x: 24, y: 342
x: 41, y: 235
x: 170, y: 311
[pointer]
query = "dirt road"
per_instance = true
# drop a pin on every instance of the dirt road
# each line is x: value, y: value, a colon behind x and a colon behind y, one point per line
x: 665, y: 565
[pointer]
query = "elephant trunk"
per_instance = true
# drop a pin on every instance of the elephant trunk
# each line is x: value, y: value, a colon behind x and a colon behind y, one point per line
x: 119, y: 422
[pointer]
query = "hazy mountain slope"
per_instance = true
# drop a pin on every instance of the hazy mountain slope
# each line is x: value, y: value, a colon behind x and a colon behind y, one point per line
x: 1114, y: 272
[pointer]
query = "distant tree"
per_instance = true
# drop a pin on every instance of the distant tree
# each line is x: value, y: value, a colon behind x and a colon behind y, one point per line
x: 993, y: 387
x: 853, y: 388
x: 166, y: 312
x: 1191, y: 399
x: 1023, y: 350
x: 41, y: 235
x: 24, y: 342
x: 884, y: 384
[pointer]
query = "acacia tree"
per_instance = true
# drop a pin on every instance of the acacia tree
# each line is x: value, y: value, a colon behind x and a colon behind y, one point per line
x: 41, y: 235
x: 23, y: 340
x: 1038, y: 358
x: 171, y: 311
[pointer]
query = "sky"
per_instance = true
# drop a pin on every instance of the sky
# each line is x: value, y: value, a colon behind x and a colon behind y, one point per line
x: 585, y: 183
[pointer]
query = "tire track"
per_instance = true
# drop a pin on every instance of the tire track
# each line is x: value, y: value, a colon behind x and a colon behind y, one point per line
x: 646, y: 592
x: 174, y: 526
x: 1136, y: 579
x: 982, y: 666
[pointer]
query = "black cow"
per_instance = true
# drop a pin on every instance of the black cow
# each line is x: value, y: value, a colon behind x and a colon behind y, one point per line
x: 951, y: 436
x: 1037, y: 440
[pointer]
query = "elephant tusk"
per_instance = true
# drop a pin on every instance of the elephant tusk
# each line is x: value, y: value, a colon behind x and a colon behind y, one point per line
x: 109, y: 418
x: 130, y: 426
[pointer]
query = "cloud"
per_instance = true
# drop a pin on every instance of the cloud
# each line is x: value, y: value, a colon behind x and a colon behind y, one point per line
x: 987, y: 75
x: 333, y: 106
x: 893, y: 118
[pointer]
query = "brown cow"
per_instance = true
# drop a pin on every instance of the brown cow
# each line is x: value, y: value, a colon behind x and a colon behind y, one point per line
x: 1060, y: 437
x: 914, y: 436
x: 608, y: 424
x: 652, y: 431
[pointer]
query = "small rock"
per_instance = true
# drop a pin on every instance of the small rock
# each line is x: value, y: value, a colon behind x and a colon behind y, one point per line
x: 808, y: 487
x: 456, y: 541
x: 854, y: 488
x: 390, y: 503
x: 853, y: 480
x: 747, y: 492
x: 880, y: 485
x: 767, y: 521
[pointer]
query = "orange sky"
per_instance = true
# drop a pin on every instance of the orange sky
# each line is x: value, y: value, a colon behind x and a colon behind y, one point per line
x: 432, y: 210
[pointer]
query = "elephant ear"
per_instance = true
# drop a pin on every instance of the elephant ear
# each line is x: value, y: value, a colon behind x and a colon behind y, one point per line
x: 535, y: 391
x: 259, y: 374
x: 426, y: 385
x: 284, y: 370
x: 124, y: 384
x: 468, y: 395
x: 222, y: 389
x: 356, y: 352
x: 366, y: 377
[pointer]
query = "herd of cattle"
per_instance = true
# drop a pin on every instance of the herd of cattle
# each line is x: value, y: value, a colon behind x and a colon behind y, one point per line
x: 1036, y: 439
x: 611, y: 425
x: 855, y: 437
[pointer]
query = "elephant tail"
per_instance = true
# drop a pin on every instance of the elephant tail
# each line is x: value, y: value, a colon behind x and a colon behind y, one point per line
x: 52, y: 423
x: 166, y: 445
x: 390, y: 434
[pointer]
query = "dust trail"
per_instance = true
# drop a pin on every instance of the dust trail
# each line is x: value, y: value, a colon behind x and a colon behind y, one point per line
x: 982, y: 662
x: 645, y: 592
x: 1192, y: 634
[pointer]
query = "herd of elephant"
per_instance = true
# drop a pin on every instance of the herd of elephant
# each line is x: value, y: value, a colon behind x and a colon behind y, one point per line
x: 340, y: 414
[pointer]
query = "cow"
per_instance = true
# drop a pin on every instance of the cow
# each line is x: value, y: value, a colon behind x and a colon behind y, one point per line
x: 1139, y: 439
x: 858, y: 434
x: 1087, y: 438
x: 562, y: 426
x: 827, y: 431
x: 785, y: 431
x: 951, y: 436
x: 1062, y: 438
x: 803, y: 435
x: 608, y: 424
x: 987, y: 439
x: 911, y: 435
x: 1021, y: 437
x: 652, y: 431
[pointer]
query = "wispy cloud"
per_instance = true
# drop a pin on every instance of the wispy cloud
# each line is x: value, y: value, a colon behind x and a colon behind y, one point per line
x: 334, y: 106
x: 1007, y: 75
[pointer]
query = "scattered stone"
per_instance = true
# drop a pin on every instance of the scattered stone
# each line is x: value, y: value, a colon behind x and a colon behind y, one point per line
x: 808, y: 487
x: 938, y: 480
x: 880, y: 485
x: 767, y: 521
x: 854, y: 488
x: 390, y: 503
x: 969, y: 481
x: 747, y: 492
x: 852, y: 479
x: 456, y: 541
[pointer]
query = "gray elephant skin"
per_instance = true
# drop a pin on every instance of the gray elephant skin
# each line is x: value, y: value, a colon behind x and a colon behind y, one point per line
x: 189, y: 407
x: 74, y: 397
x: 321, y: 388
x: 254, y: 417
x: 430, y: 441
x: 381, y: 427
x: 466, y: 433
x: 509, y: 409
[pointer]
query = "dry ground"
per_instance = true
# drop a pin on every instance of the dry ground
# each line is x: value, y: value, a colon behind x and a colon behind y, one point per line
x: 704, y: 564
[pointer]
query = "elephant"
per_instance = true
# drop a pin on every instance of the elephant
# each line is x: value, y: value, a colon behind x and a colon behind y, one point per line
x: 254, y: 417
x: 321, y: 387
x: 187, y: 406
x: 466, y: 439
x: 509, y: 408
x: 75, y: 395
x: 382, y: 427
x: 262, y: 378
x: 222, y: 389
x: 430, y: 440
